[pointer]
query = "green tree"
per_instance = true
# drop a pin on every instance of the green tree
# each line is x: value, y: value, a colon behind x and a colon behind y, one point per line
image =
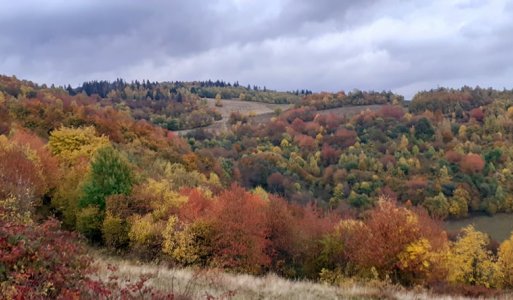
x: 110, y: 175
x: 424, y: 130
x: 438, y: 206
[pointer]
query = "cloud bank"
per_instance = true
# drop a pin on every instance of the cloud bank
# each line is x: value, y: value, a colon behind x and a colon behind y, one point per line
x: 330, y: 45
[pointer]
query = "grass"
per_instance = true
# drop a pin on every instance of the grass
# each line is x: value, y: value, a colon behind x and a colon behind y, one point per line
x: 202, y: 284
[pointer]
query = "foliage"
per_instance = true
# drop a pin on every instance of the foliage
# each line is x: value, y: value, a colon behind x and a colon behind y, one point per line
x: 21, y: 175
x: 110, y: 175
x: 189, y: 245
x: 71, y: 144
x: 145, y: 234
x: 114, y: 232
x: 89, y: 222
x: 299, y: 193
x: 40, y: 261
x: 505, y: 261
x: 238, y: 221
x: 470, y: 262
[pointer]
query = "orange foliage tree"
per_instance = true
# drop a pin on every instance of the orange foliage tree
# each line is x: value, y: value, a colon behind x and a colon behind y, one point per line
x: 472, y: 163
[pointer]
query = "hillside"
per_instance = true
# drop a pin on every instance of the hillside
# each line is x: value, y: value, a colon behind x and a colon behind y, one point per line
x: 340, y: 187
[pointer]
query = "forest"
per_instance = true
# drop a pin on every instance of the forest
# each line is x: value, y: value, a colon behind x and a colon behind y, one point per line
x: 309, y: 195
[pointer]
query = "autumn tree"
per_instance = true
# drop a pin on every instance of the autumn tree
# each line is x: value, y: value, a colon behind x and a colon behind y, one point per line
x: 240, y: 230
x: 472, y: 163
x: 396, y: 242
x: 69, y: 144
x: 470, y: 262
x: 505, y: 261
x: 21, y: 175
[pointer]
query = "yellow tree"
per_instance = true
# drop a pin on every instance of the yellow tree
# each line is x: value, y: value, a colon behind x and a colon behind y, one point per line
x: 218, y: 102
x: 70, y: 144
x: 506, y: 261
x: 470, y: 262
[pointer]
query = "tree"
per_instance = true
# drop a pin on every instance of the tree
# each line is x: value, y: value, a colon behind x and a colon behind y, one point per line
x: 424, y: 130
x: 20, y: 175
x: 396, y: 242
x: 506, y: 261
x: 472, y: 163
x: 458, y: 204
x: 190, y: 244
x: 438, y: 206
x: 110, y: 175
x: 470, y: 262
x: 69, y: 144
x: 239, y: 231
x: 218, y: 102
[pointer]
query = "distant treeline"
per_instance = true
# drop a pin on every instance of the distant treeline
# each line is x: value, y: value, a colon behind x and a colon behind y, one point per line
x: 203, y: 89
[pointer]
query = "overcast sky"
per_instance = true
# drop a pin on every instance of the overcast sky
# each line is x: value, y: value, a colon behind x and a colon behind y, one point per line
x: 322, y: 45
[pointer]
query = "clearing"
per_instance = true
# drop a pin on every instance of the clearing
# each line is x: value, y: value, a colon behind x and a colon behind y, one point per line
x: 263, y: 112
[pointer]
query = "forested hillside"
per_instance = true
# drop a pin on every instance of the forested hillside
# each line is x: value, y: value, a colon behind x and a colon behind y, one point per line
x: 306, y: 195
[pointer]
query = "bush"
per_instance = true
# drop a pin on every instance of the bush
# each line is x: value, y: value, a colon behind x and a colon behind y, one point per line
x: 89, y: 223
x: 115, y: 232
x: 145, y: 235
x: 190, y: 246
x: 40, y: 261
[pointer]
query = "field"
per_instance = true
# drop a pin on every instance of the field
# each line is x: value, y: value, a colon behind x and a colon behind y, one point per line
x: 350, y: 110
x: 200, y: 284
x: 244, y: 107
x: 263, y: 112
x: 499, y: 226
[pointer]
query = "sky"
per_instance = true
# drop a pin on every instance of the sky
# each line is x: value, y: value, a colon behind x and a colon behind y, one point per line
x: 322, y: 45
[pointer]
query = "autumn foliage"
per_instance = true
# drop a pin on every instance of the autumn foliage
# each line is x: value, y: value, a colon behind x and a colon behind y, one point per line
x: 307, y: 193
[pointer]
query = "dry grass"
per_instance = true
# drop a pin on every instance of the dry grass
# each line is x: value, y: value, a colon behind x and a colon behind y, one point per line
x: 199, y: 284
x: 264, y: 112
x: 245, y: 107
x: 257, y: 109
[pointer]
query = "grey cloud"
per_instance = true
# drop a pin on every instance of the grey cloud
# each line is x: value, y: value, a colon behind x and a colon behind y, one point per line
x: 284, y: 44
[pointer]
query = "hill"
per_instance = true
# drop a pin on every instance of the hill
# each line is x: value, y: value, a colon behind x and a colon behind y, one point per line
x: 313, y: 193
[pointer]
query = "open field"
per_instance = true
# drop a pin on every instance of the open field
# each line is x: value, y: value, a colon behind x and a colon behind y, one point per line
x: 244, y: 107
x: 499, y: 226
x: 199, y: 284
x: 350, y: 110
x: 263, y: 112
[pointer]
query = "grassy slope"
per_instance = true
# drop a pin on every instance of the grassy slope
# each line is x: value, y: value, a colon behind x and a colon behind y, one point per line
x: 197, y: 284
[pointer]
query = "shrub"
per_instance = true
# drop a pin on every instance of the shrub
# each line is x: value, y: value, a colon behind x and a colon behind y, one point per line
x: 89, y: 223
x: 145, y: 235
x: 115, y: 232
x: 40, y: 261
x: 189, y: 245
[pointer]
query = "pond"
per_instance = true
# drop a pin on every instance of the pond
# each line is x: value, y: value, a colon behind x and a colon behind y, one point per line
x: 498, y: 226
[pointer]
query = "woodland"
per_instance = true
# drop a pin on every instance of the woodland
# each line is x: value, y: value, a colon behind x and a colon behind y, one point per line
x: 308, y: 195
